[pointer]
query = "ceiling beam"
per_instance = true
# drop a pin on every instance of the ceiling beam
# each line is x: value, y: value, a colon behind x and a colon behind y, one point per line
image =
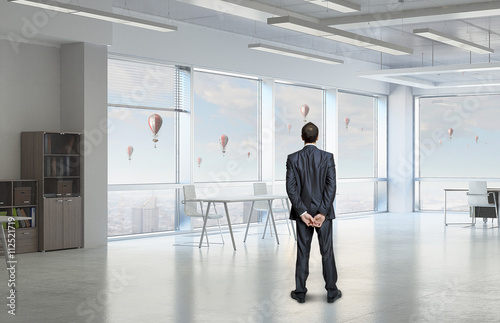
x: 391, y: 18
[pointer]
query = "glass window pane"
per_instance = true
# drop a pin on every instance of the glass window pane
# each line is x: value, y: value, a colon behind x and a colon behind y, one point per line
x: 147, y: 161
x: 289, y: 120
x: 225, y: 128
x: 472, y: 148
x: 134, y: 212
x: 355, y: 197
x: 356, y: 146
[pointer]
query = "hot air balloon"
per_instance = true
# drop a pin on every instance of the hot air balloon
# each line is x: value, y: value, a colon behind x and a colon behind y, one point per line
x: 130, y: 150
x: 248, y: 154
x: 155, y: 122
x: 346, y: 121
x: 467, y: 146
x: 304, y: 110
x: 199, y: 161
x: 477, y: 138
x: 440, y: 141
x: 223, y: 142
x: 289, y: 126
x: 450, y: 132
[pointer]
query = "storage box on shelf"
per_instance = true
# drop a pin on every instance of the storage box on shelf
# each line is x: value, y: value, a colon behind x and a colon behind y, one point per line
x: 54, y: 160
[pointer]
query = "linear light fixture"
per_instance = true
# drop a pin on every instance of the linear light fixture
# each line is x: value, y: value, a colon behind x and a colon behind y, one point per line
x: 294, y: 53
x: 343, y: 36
x: 452, y: 41
x: 96, y: 14
x: 337, y: 5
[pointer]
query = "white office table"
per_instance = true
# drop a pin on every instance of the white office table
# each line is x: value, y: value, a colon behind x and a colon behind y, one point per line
x: 224, y: 200
x: 462, y: 190
x: 5, y: 219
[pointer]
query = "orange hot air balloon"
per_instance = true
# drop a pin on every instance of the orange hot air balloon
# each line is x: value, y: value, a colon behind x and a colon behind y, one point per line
x: 450, y: 132
x: 346, y: 121
x: 440, y: 141
x: 223, y: 142
x: 477, y: 138
x: 304, y: 109
x: 199, y: 161
x: 155, y: 122
x: 289, y: 126
x: 130, y: 150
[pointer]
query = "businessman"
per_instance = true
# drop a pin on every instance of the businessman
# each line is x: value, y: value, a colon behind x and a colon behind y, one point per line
x: 311, y: 186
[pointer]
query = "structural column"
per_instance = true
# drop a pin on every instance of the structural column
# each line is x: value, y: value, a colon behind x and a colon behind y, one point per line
x: 400, y: 149
x: 84, y: 97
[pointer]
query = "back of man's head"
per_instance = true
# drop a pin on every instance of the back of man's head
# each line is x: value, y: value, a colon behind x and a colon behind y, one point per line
x: 310, y: 133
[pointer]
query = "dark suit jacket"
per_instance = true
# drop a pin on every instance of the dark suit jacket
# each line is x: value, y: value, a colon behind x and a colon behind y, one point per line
x: 310, y: 182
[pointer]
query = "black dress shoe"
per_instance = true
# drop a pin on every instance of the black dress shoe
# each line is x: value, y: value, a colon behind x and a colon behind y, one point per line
x: 297, y: 298
x: 335, y: 297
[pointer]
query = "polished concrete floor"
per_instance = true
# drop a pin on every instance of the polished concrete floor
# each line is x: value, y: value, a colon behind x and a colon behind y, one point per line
x: 392, y: 268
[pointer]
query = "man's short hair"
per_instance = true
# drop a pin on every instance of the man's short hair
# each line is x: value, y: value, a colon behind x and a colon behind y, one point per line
x: 309, y: 133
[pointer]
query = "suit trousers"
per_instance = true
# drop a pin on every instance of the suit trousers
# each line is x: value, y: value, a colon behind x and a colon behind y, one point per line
x: 304, y: 239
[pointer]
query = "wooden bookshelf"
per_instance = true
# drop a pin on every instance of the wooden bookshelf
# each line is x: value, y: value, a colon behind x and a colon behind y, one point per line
x: 54, y: 159
x: 20, y: 198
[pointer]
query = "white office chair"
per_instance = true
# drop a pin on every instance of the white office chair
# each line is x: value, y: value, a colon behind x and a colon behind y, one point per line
x: 191, y: 208
x: 478, y: 197
x: 261, y: 189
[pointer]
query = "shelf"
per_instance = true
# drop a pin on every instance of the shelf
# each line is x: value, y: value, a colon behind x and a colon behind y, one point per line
x: 61, y: 177
x: 24, y: 205
x: 61, y: 155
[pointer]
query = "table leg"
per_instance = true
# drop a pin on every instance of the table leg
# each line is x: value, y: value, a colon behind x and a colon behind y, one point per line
x: 248, y: 222
x: 204, y: 225
x: 270, y: 202
x: 293, y: 227
x: 229, y: 225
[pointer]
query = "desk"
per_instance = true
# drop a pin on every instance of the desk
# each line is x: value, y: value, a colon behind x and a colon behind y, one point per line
x: 490, y: 190
x: 5, y: 219
x: 225, y: 200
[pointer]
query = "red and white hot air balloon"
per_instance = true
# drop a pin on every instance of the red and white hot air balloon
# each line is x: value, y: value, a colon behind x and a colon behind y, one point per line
x: 450, y: 132
x: 155, y: 122
x: 304, y: 110
x: 199, y: 161
x: 346, y: 121
x: 477, y: 138
x: 130, y: 150
x: 223, y: 143
x: 289, y: 126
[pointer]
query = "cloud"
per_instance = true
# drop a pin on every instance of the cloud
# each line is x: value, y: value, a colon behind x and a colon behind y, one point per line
x: 233, y: 97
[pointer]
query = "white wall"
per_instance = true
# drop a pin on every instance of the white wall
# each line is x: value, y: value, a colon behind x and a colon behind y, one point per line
x: 224, y: 51
x: 29, y: 99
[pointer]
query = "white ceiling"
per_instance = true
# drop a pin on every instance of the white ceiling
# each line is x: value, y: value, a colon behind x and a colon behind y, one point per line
x: 392, y: 21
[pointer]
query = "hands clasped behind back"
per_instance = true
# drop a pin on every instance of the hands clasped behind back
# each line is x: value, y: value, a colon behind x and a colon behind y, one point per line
x: 311, y: 221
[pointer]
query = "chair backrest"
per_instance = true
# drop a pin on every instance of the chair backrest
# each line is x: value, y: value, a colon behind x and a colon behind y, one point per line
x: 190, y: 208
x: 260, y: 189
x: 478, y: 193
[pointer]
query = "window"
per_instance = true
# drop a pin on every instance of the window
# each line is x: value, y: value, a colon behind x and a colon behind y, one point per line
x: 290, y: 116
x: 141, y: 146
x: 357, y: 151
x: 226, y: 110
x: 457, y: 140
